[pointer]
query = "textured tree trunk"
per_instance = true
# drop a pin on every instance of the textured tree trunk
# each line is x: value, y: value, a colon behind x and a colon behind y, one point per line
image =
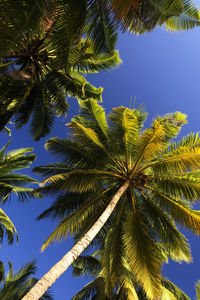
x: 60, y: 267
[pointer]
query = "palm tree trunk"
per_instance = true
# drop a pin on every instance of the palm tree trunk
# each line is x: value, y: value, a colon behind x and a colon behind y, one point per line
x: 60, y: 267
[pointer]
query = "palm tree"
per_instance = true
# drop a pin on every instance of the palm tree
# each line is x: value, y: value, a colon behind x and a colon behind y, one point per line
x: 12, y: 182
x: 141, y: 175
x: 43, y: 62
x: 15, y: 285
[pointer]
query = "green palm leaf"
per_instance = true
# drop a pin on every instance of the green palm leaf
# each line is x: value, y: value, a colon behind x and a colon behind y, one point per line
x: 142, y: 254
x: 7, y: 226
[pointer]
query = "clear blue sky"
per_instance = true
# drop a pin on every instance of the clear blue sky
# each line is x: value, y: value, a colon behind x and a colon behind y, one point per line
x: 160, y: 69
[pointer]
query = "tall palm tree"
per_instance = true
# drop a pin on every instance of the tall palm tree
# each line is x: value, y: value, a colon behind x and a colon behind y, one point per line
x: 42, y: 59
x: 141, y: 175
x: 15, y: 285
x: 12, y: 182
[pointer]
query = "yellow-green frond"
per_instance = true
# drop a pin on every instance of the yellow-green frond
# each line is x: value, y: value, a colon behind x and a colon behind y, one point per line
x: 183, y: 187
x: 94, y: 114
x: 150, y: 142
x: 79, y: 131
x: 124, y: 128
x: 77, y: 180
x: 180, y: 160
x: 142, y: 255
x: 181, y: 212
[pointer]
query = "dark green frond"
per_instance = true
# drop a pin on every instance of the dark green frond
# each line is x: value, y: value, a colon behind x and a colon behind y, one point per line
x: 7, y: 228
x: 90, y: 290
x: 86, y: 265
x: 174, y: 290
x: 162, y: 226
x: 84, y: 59
x: 16, y: 284
x: 42, y: 119
x: 101, y: 28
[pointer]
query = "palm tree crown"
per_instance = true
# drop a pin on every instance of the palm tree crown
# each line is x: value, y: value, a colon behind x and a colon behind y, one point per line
x: 156, y: 181
x: 42, y: 59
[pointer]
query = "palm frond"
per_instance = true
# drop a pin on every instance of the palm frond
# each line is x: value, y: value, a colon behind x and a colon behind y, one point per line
x: 150, y: 143
x: 113, y: 253
x: 171, y: 240
x: 174, y: 290
x: 16, y: 284
x: 79, y: 131
x: 65, y: 204
x: 86, y: 214
x: 83, y: 59
x: 90, y: 289
x: 68, y: 27
x: 183, y: 187
x: 188, y: 19
x: 179, y: 160
x: 197, y: 287
x: 42, y: 119
x: 124, y: 127
x: 86, y: 265
x: 94, y: 117
x: 142, y: 254
x: 7, y: 227
x: 78, y: 180
x: 101, y: 28
x: 181, y: 212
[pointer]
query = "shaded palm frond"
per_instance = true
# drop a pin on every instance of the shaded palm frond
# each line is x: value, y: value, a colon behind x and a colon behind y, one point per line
x: 181, y: 212
x: 83, y: 58
x: 100, y: 27
x: 174, y: 290
x: 7, y: 228
x: 183, y: 187
x: 86, y: 265
x: 162, y: 226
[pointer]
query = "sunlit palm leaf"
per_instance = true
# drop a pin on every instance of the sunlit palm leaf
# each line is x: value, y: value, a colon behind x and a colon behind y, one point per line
x: 142, y: 254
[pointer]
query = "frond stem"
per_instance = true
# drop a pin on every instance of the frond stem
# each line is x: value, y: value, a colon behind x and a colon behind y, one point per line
x: 8, y: 63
